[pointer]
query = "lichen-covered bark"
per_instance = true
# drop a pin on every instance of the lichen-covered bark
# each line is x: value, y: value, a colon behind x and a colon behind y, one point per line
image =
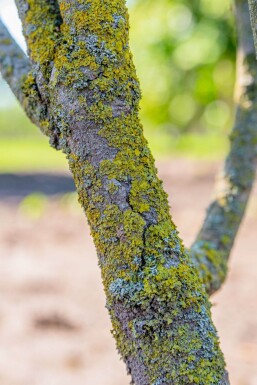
x: 41, y: 28
x: 156, y: 299
x: 15, y: 68
x: 214, y: 242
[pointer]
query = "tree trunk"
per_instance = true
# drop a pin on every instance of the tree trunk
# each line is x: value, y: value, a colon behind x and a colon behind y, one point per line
x: 159, y: 310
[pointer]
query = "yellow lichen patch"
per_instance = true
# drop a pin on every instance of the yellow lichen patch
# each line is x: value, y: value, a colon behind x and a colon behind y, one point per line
x: 41, y: 30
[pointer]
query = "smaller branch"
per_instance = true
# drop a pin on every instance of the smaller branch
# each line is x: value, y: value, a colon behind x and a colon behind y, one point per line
x: 16, y: 70
x: 214, y: 242
x: 14, y: 64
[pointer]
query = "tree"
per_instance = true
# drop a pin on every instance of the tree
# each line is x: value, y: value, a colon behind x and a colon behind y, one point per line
x: 79, y: 86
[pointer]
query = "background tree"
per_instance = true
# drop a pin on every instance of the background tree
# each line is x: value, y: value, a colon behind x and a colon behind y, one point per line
x: 79, y: 86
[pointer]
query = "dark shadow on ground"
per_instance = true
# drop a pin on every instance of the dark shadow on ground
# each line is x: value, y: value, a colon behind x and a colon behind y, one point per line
x: 21, y: 185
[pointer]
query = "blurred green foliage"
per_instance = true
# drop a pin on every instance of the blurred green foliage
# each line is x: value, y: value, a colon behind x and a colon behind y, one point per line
x: 184, y: 52
x: 185, y: 57
x: 30, y: 154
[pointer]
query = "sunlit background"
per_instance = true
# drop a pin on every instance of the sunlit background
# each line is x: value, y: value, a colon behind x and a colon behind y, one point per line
x: 54, y: 329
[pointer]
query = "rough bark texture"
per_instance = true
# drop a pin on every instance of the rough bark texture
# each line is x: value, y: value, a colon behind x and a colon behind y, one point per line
x: 87, y: 82
x: 212, y: 247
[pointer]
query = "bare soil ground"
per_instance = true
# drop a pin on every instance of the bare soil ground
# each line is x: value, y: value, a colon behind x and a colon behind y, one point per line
x: 54, y: 328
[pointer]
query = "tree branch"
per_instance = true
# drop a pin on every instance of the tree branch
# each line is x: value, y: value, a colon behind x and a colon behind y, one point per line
x: 157, y: 303
x: 16, y: 70
x: 214, y: 242
x: 13, y: 62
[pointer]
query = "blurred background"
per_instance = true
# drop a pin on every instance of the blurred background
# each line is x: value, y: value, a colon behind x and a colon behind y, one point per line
x: 54, y: 328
